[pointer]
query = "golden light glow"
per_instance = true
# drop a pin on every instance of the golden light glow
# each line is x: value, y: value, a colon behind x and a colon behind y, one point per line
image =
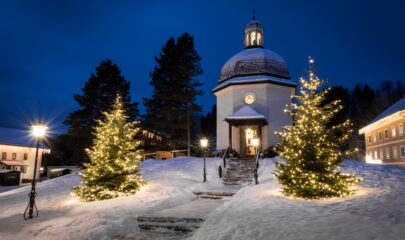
x: 38, y: 130
x: 255, y: 142
x: 369, y: 159
x: 204, y: 142
x: 249, y: 98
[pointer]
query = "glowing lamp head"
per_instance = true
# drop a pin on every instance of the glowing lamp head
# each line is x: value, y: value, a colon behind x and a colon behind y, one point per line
x: 39, y: 130
x: 204, y: 142
x: 255, y: 142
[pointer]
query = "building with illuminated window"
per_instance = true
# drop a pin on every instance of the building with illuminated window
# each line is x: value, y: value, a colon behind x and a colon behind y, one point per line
x: 17, y: 149
x: 384, y: 136
x: 253, y: 90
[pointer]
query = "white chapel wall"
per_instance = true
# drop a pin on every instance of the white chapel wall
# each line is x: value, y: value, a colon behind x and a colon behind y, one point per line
x: 278, y: 98
x: 224, y: 109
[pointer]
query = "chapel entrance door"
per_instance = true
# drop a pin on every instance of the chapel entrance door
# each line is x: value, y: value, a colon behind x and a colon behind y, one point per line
x: 247, y: 133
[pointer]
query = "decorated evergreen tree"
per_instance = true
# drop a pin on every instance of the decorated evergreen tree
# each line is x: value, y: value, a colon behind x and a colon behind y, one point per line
x: 312, y: 148
x: 114, y: 167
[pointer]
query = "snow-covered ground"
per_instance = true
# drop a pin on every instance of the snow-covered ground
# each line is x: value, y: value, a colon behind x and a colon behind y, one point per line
x: 254, y: 212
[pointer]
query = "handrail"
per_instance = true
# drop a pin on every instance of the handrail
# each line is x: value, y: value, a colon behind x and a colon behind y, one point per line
x: 224, y: 157
x: 222, y: 166
x: 256, y: 168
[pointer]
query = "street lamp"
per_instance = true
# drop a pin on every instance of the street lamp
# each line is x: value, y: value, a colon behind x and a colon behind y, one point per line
x: 38, y: 131
x: 255, y: 143
x: 204, y: 144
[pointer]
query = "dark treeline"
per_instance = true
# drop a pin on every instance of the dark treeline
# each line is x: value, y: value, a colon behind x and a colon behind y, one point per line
x: 363, y: 103
x: 172, y: 115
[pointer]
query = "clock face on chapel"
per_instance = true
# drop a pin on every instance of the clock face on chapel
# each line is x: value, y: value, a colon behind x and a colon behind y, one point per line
x: 249, y: 98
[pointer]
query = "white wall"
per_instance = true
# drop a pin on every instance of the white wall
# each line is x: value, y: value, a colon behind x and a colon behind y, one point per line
x: 30, y: 162
x: 270, y: 101
x: 277, y: 99
x: 224, y: 109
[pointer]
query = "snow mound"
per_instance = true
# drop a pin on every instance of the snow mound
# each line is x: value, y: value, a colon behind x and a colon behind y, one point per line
x: 254, y: 212
x: 262, y: 212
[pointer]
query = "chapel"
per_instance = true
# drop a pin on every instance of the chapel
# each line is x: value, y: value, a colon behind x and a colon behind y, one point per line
x: 253, y: 90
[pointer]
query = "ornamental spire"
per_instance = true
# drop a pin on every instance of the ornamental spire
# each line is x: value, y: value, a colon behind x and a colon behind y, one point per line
x: 254, y: 33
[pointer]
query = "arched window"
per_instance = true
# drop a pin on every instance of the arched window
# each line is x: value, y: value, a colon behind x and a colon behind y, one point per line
x: 253, y: 40
x: 259, y: 39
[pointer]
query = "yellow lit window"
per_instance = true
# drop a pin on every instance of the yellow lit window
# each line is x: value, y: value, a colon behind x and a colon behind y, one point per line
x: 393, y: 132
x: 395, y: 152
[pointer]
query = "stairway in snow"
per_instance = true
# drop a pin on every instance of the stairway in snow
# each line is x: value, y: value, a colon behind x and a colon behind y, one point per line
x: 239, y: 171
x: 185, y: 218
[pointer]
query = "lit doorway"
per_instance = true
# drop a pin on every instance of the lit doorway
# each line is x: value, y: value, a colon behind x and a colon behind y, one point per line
x: 246, y: 135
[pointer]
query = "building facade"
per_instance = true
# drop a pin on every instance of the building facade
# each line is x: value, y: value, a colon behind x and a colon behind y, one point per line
x: 252, y: 93
x: 384, y: 136
x: 17, y: 152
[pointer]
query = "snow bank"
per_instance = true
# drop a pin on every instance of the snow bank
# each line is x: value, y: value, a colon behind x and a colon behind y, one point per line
x: 260, y: 212
x: 62, y: 216
x: 255, y: 212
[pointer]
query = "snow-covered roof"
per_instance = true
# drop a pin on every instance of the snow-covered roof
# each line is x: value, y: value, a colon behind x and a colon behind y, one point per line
x: 254, y: 61
x: 58, y: 169
x: 254, y: 79
x: 13, y: 163
x: 396, y: 107
x: 17, y: 137
x: 245, y: 112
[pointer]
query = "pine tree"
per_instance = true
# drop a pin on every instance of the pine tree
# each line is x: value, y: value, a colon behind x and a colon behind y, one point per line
x: 311, y: 148
x: 98, y: 95
x: 114, y: 167
x: 170, y: 110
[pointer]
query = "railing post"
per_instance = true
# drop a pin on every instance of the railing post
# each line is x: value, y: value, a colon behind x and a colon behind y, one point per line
x: 256, y: 167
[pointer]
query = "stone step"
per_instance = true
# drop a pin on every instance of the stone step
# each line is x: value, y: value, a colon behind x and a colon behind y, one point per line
x: 239, y: 171
x: 169, y: 224
x: 237, y: 182
x: 158, y: 219
x: 221, y: 194
x: 209, y: 197
x: 168, y: 227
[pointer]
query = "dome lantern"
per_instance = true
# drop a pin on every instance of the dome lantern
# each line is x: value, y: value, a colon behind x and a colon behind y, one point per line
x: 254, y: 37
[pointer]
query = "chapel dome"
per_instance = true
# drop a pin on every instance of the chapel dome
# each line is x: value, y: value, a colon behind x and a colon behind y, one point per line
x: 255, y: 61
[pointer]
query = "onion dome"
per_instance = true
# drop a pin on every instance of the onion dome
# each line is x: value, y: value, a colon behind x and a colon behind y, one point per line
x: 254, y: 59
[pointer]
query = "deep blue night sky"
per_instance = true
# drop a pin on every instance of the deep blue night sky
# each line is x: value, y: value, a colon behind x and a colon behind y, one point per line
x: 48, y: 49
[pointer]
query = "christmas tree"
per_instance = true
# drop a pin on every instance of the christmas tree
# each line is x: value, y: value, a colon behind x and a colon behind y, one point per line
x: 114, y: 167
x: 312, y: 148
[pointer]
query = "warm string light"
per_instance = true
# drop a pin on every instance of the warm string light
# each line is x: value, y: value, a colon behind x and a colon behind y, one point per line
x: 114, y: 168
x: 311, y: 149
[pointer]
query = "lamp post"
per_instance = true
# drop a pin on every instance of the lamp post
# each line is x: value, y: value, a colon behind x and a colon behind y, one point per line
x: 255, y: 143
x: 38, y: 131
x: 204, y: 144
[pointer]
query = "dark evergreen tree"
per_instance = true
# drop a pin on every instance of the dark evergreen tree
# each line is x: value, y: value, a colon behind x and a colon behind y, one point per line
x: 342, y: 94
x: 98, y: 95
x: 208, y: 123
x: 364, y: 105
x: 170, y: 109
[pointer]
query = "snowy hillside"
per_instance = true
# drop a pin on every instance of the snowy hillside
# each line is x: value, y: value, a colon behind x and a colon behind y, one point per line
x: 254, y: 212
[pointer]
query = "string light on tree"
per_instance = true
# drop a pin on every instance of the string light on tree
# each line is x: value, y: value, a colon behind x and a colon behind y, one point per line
x: 114, y: 167
x: 311, y: 148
